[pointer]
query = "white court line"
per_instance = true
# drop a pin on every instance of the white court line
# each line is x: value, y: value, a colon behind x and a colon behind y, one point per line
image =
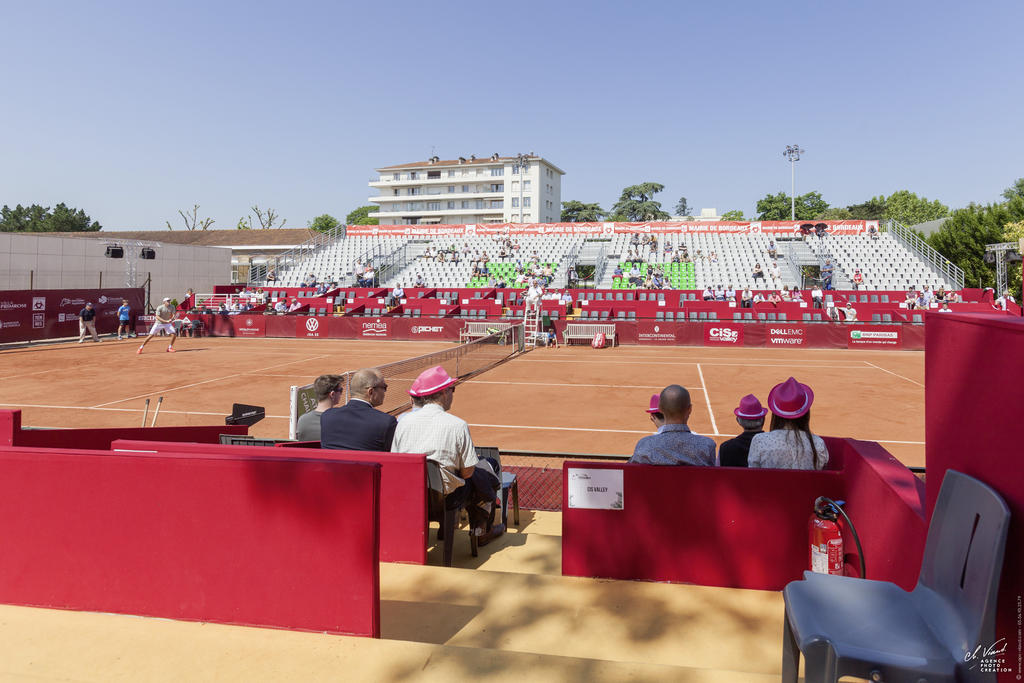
x: 780, y: 364
x: 28, y: 374
x: 912, y: 381
x: 206, y: 381
x: 707, y: 400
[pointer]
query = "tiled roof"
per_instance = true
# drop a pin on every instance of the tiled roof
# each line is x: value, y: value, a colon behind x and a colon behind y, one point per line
x: 204, y: 238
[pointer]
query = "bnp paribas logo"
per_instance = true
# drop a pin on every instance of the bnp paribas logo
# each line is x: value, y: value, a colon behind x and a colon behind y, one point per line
x: 855, y: 334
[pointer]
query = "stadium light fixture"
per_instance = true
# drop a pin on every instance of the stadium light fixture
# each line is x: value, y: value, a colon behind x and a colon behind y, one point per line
x: 792, y: 154
x: 522, y: 162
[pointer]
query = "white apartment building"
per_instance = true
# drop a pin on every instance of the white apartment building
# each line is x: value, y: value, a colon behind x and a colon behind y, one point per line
x: 460, y: 191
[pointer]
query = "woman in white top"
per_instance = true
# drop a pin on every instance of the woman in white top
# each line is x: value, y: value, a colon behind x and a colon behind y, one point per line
x: 789, y: 445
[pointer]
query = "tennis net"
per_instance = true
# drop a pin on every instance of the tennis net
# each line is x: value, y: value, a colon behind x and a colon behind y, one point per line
x: 462, y: 361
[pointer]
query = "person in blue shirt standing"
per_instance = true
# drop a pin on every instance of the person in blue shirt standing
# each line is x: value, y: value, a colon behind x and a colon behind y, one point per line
x: 124, y: 317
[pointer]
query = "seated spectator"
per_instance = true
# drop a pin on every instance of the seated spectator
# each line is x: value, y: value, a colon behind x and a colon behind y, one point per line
x: 758, y: 272
x: 940, y: 294
x: 746, y: 298
x: 922, y: 301
x: 533, y: 295
x: 910, y: 303
x: 566, y: 299
x: 798, y: 295
x: 955, y: 297
x: 281, y: 306
x: 790, y: 444
x: 758, y: 298
x: 329, y: 390
x: 774, y: 270
x: 271, y: 277
x: 730, y: 293
x: 833, y: 313
x: 617, y: 275
x: 674, y: 443
x: 714, y: 257
x: 827, y: 271
x: 420, y: 282
x: 654, y: 411
x: 750, y: 416
x: 784, y: 294
x: 709, y: 294
x: 775, y: 298
x: 396, y: 296
x: 635, y: 278
x: 719, y: 293
x: 850, y: 312
x: 858, y: 279
x: 772, y: 251
x: 817, y: 297
x: 945, y: 308
x: 446, y: 440
x: 358, y: 425
x: 295, y: 306
x: 873, y: 232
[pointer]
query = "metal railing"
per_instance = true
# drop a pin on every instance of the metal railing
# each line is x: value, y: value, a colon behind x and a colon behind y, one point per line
x: 258, y: 271
x: 601, y: 265
x: 568, y: 264
x: 940, y: 264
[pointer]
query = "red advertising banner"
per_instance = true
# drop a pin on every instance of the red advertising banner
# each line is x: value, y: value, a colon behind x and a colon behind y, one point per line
x: 374, y: 328
x: 27, y: 315
x: 786, y: 335
x: 250, y: 326
x: 874, y: 336
x: 847, y: 227
x: 655, y: 333
x: 311, y: 326
x: 723, y: 334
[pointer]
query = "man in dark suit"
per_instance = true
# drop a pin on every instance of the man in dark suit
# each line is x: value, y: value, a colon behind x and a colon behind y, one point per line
x: 749, y: 415
x: 358, y: 425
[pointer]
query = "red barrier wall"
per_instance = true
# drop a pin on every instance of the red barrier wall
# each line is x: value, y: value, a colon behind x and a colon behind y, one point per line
x: 28, y: 315
x: 403, y: 487
x: 974, y: 390
x: 285, y: 542
x: 746, y: 528
x: 12, y: 434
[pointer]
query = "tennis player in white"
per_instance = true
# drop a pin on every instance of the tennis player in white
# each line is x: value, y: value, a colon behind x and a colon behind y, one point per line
x: 164, y: 323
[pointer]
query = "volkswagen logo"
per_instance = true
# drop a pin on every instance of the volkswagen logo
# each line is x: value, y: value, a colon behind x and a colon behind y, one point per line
x: 312, y: 324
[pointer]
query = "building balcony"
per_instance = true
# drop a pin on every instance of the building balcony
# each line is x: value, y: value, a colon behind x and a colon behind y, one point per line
x: 388, y: 181
x: 384, y: 213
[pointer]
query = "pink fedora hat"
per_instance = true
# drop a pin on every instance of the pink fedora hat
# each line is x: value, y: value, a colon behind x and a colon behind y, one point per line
x: 790, y: 399
x: 750, y: 408
x: 431, y: 381
x: 655, y: 400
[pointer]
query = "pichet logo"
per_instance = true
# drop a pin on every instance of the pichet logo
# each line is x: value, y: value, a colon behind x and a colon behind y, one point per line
x: 312, y: 324
x: 426, y: 329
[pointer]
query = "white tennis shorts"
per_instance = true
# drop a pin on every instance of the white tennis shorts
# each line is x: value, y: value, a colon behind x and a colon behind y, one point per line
x: 162, y: 327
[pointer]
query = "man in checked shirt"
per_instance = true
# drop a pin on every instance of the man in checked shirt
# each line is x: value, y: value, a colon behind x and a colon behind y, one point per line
x: 674, y: 443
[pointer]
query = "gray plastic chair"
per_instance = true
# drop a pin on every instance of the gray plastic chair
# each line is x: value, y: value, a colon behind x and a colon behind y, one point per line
x: 876, y: 630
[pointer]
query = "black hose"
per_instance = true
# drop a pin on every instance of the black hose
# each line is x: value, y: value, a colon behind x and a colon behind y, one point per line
x: 839, y: 508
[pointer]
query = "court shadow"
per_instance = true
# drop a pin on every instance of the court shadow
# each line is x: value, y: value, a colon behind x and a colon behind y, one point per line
x: 424, y: 622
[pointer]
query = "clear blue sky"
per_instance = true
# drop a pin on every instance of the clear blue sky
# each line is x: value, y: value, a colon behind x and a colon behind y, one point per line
x: 132, y: 110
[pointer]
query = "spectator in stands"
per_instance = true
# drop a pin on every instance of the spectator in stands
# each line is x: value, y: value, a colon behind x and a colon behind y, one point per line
x: 281, y: 306
x: 910, y: 303
x: 858, y: 279
x: 271, y: 276
x: 775, y: 298
x: 322, y: 289
x: 730, y: 293
x: 567, y: 300
x: 677, y: 257
x: 817, y: 297
x: 784, y: 294
x: 295, y: 306
x: 827, y: 271
x: 714, y: 257
x: 955, y: 297
x: 654, y: 412
x: 940, y: 294
x: 1003, y: 300
x: 635, y: 277
x: 758, y: 272
x: 758, y: 298
x: 358, y: 425
x: 873, y: 232
x: 719, y: 293
x: 750, y: 416
x: 945, y: 308
x: 833, y: 313
x: 774, y: 270
x: 635, y: 239
x: 329, y: 391
x: 617, y: 275
x: 420, y: 282
x: 850, y: 313
x: 396, y: 295
x: 709, y: 294
x: 772, y: 251
x: 790, y: 444
x: 674, y: 443
x: 797, y: 295
x: 446, y: 440
x: 368, y: 277
x: 922, y: 301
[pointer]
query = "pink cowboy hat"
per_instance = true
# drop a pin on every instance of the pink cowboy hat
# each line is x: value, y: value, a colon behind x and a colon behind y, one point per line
x: 431, y: 381
x: 790, y: 399
x: 750, y: 408
x: 655, y: 400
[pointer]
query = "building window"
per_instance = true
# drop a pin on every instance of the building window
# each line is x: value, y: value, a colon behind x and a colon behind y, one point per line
x: 433, y: 206
x: 417, y: 206
x: 497, y: 187
x: 526, y: 184
x: 396, y: 176
x: 396, y: 190
x: 497, y: 204
x: 465, y: 188
x: 465, y: 204
x: 432, y: 175
x: 412, y: 175
x: 451, y: 205
x: 526, y: 202
x: 451, y: 189
x: 479, y: 203
x: 515, y: 202
x: 515, y: 186
x: 451, y: 173
x: 498, y: 171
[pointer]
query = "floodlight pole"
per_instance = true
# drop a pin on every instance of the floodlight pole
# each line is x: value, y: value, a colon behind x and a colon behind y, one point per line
x: 792, y: 153
x: 522, y: 161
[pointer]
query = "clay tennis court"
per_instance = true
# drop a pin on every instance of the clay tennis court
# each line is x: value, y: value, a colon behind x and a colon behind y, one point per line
x: 566, y: 400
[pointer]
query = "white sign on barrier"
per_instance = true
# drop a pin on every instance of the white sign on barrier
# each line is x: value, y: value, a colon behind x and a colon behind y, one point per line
x: 595, y: 489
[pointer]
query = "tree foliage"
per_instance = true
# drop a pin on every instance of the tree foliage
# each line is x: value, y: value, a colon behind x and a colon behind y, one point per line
x: 578, y: 212
x: 636, y: 204
x: 871, y: 210
x: 776, y: 207
x: 192, y: 220
x: 907, y: 208
x: 734, y: 215
x: 325, y: 222
x: 835, y: 213
x: 244, y: 223
x: 682, y: 208
x: 36, y: 218
x: 1014, y: 191
x: 361, y: 216
x: 268, y: 219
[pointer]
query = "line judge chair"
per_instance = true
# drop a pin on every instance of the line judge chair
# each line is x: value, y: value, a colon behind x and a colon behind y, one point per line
x: 875, y: 630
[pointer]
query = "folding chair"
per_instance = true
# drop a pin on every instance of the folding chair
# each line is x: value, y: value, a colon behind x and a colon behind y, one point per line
x: 437, y: 512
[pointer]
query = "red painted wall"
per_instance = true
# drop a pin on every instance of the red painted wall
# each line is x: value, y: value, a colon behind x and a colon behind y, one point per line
x: 974, y: 391
x: 403, y: 486
x: 287, y: 542
x: 12, y: 434
x: 51, y: 313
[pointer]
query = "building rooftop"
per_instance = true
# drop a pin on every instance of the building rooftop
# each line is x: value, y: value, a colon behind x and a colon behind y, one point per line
x: 462, y: 161
x: 204, y: 238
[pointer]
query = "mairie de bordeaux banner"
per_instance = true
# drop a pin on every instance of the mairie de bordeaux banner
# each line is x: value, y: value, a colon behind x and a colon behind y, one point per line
x: 847, y: 227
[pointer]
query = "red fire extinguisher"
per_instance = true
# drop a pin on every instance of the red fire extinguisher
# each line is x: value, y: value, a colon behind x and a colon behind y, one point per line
x: 826, y: 553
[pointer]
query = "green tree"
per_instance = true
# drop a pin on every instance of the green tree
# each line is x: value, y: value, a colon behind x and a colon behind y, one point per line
x: 324, y: 223
x: 244, y: 223
x: 361, y: 216
x: 907, y: 208
x: 636, y: 204
x: 734, y: 215
x: 37, y: 218
x: 578, y: 212
x: 1015, y: 190
x: 871, y: 210
x: 836, y: 213
x: 776, y: 207
x: 963, y: 237
x: 682, y: 208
